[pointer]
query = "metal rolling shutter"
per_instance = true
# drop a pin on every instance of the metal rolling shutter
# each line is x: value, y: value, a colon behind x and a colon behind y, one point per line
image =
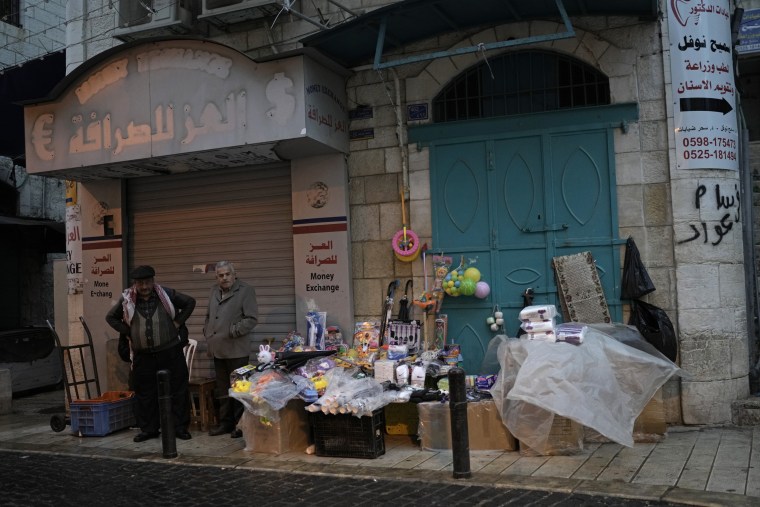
x: 192, y: 219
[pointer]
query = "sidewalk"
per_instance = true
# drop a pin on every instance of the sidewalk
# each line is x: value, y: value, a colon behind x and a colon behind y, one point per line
x: 693, y: 465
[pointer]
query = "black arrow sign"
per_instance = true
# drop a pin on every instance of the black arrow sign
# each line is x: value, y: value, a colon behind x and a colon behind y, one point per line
x: 720, y: 105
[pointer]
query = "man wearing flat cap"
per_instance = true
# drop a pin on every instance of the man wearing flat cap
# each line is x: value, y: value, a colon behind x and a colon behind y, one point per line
x: 153, y: 318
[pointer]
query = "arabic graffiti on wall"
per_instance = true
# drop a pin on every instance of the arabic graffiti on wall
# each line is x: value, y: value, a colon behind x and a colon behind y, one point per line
x: 704, y: 92
x: 725, y: 202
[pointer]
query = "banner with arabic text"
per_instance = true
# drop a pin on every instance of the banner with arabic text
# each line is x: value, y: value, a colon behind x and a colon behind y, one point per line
x: 704, y: 93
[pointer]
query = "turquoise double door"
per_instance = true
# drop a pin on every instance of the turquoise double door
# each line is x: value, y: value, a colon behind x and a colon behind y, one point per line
x: 513, y: 201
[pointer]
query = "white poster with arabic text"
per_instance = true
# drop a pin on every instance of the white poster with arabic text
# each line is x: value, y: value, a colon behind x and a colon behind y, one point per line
x: 704, y: 93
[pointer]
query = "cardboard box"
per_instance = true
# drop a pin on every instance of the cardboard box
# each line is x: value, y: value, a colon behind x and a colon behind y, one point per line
x: 290, y: 433
x: 565, y: 438
x: 650, y: 425
x: 401, y: 418
x: 485, y: 429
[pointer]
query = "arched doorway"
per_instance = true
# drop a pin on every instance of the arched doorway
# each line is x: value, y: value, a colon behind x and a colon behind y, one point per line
x: 522, y: 170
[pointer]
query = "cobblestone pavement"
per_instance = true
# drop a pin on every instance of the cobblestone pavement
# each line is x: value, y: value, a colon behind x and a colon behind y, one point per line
x: 34, y: 479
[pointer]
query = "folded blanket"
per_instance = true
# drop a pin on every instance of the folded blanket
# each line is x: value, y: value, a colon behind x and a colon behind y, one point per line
x: 538, y: 312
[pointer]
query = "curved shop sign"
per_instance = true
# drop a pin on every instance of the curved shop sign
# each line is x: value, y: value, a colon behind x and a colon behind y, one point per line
x: 174, y: 97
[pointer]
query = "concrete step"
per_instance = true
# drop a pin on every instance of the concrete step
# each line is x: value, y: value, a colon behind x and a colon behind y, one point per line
x: 746, y: 412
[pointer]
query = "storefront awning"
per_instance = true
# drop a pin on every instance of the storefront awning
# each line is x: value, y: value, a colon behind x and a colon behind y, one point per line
x: 355, y: 42
x: 45, y: 236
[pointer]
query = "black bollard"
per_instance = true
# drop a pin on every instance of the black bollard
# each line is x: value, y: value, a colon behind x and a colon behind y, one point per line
x: 168, y: 439
x: 460, y: 437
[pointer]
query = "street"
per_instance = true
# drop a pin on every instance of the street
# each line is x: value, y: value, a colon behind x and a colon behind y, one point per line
x: 36, y: 479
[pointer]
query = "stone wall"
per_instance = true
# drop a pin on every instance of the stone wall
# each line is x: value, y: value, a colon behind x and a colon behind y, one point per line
x: 42, y: 31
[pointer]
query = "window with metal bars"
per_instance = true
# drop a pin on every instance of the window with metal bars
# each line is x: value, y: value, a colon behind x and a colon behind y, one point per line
x: 521, y: 83
x: 9, y: 12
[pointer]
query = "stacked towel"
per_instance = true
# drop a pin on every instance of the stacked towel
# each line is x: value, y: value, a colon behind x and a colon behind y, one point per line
x: 538, y: 322
x: 570, y: 332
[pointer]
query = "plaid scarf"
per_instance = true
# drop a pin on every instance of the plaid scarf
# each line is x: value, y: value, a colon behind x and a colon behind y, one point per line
x: 129, y: 297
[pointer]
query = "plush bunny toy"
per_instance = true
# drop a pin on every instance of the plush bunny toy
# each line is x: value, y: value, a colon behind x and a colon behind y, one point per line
x: 265, y: 355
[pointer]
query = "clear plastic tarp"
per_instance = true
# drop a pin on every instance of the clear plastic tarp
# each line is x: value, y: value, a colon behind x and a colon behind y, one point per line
x: 603, y: 384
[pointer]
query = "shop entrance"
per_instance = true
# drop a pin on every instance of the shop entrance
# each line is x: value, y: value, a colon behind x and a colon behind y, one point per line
x: 513, y: 201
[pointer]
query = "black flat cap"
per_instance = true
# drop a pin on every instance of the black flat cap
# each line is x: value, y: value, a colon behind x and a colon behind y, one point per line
x: 141, y: 272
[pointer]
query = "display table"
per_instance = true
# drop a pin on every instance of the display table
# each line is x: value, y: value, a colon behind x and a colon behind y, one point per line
x: 603, y: 383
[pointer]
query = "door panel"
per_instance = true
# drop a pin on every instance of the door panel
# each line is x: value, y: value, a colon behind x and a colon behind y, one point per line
x: 461, y: 205
x: 513, y: 202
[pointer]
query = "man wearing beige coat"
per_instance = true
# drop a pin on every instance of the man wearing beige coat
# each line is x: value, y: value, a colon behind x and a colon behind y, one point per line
x: 232, y: 314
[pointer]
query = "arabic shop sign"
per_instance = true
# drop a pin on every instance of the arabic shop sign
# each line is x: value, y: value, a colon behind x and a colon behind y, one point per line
x: 177, y: 97
x: 704, y: 93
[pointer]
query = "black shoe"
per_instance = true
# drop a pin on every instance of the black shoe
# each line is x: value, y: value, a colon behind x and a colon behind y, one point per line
x: 143, y: 436
x: 236, y: 433
x: 219, y: 430
x: 183, y: 435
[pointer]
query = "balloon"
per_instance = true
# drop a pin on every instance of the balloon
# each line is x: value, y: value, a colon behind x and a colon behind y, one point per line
x: 472, y: 274
x: 467, y: 287
x: 482, y: 290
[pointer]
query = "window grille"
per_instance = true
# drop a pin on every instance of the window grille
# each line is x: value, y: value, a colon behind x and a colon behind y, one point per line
x: 521, y: 83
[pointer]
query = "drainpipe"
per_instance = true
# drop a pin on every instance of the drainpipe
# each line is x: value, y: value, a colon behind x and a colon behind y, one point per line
x: 401, y: 135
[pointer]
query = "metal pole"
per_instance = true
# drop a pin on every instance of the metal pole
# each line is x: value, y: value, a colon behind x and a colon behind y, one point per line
x: 168, y: 439
x: 460, y: 437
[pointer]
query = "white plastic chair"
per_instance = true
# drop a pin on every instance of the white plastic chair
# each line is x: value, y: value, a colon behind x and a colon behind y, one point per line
x: 190, y: 355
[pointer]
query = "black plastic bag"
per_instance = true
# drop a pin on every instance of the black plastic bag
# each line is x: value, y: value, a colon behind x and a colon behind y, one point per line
x: 636, y: 281
x: 655, y: 326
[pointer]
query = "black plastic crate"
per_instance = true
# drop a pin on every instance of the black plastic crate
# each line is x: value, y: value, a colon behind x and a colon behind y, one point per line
x: 348, y: 436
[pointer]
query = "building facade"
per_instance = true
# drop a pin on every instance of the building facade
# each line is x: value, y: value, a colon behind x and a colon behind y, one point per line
x: 297, y: 139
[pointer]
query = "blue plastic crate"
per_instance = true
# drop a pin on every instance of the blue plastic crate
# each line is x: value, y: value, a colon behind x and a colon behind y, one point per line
x: 103, y: 415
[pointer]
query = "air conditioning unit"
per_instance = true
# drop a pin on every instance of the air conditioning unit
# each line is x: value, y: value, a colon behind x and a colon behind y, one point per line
x: 138, y: 19
x: 229, y: 12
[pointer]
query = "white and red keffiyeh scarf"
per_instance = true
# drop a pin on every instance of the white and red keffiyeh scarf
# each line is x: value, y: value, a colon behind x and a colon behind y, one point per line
x: 130, y: 297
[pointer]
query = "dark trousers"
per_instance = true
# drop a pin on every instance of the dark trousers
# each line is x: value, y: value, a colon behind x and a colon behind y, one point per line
x: 144, y: 370
x: 230, y: 410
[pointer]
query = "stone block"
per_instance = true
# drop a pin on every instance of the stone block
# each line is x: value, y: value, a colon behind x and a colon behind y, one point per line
x: 623, y: 89
x: 731, y: 289
x: 419, y: 185
x: 650, y: 76
x: 657, y: 204
x: 393, y: 160
x: 365, y: 223
x: 421, y: 217
x: 711, y: 402
x: 369, y: 297
x: 619, y: 64
x: 382, y: 188
x: 627, y: 142
x: 594, y: 44
x: 655, y: 167
x: 630, y: 206
x: 654, y: 135
x: 366, y: 163
x: 390, y: 219
x: 628, y: 169
x: 706, y: 358
x: 651, y: 110
x: 378, y: 259
x: 656, y: 250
